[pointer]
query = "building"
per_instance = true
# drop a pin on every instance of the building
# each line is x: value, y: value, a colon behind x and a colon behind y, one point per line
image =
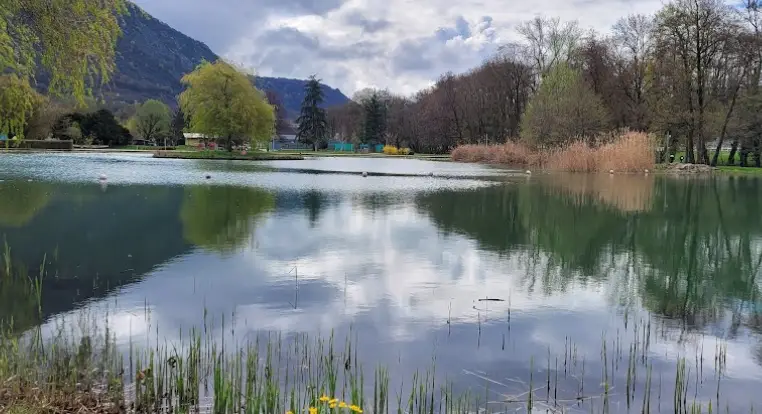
x: 193, y: 139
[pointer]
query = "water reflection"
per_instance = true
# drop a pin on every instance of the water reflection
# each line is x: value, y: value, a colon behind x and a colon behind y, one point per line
x: 221, y: 218
x: 19, y: 203
x: 570, y: 255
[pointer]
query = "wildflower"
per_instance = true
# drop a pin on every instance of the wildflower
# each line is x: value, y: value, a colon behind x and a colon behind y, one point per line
x: 355, y: 409
x: 324, y: 398
x: 333, y: 401
x: 342, y: 405
x: 332, y: 405
x: 289, y: 412
x: 313, y: 410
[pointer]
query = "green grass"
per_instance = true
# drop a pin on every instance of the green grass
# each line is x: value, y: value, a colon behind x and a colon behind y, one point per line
x: 225, y: 155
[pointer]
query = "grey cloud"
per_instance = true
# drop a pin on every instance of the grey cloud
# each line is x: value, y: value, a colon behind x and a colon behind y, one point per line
x: 409, y: 56
x: 221, y: 23
x: 367, y: 25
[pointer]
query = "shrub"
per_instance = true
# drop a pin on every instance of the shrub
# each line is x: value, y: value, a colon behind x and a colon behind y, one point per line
x: 564, y: 109
x: 390, y: 150
x: 404, y: 151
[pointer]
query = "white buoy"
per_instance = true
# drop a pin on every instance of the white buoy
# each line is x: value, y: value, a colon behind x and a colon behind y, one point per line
x: 611, y: 171
x: 103, y: 177
x: 364, y: 174
x: 647, y: 171
x: 529, y: 172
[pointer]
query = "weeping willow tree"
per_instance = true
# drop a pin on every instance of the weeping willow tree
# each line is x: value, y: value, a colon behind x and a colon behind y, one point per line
x: 72, y: 41
x: 221, y: 101
x: 17, y: 102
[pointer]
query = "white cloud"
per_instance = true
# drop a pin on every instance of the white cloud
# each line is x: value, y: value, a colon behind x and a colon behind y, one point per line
x: 353, y: 44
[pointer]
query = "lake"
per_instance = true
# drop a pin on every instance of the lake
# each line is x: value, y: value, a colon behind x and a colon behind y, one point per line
x: 502, y: 281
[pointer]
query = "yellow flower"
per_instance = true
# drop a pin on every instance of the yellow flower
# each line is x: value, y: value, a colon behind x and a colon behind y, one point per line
x: 289, y: 412
x: 342, y: 405
x: 333, y: 401
x: 332, y: 405
x: 324, y: 398
x: 313, y: 410
x: 355, y: 409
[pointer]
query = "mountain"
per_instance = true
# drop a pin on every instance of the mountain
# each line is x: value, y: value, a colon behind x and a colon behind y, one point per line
x: 152, y: 57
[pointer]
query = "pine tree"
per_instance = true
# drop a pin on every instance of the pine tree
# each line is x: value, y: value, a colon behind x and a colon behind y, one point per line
x: 374, y: 129
x: 312, y: 120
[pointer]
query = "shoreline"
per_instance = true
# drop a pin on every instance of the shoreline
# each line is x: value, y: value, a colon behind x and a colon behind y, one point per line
x: 224, y: 155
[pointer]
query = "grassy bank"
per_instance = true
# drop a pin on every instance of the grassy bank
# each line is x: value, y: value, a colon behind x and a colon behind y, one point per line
x: 630, y: 152
x: 225, y: 155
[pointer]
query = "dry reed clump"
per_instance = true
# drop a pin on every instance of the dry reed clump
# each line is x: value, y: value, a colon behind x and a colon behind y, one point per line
x: 510, y: 153
x: 628, y: 152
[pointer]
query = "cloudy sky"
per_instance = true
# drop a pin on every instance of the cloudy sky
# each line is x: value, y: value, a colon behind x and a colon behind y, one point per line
x: 351, y: 44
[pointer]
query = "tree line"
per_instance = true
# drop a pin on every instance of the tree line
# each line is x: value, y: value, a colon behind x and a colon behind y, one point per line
x: 689, y: 74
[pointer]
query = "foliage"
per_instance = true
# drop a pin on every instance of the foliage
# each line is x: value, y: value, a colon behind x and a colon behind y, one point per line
x: 101, y: 127
x: 563, y: 110
x: 152, y: 120
x: 72, y: 40
x: 374, y: 128
x: 312, y: 121
x: 17, y: 104
x: 281, y: 113
x: 177, y: 126
x: 221, y: 101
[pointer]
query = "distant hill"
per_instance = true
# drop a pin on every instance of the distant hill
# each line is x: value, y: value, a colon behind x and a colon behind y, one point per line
x: 152, y: 57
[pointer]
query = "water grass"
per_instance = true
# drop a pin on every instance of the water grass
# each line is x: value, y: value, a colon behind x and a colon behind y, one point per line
x: 77, y: 366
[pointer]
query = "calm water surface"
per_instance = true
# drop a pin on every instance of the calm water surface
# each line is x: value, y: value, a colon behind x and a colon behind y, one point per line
x: 576, y: 260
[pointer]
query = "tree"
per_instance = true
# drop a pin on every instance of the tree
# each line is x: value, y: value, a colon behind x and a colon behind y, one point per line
x: 563, y: 110
x: 694, y: 32
x: 549, y: 42
x: 177, y: 127
x: 152, y: 120
x: 103, y: 128
x: 374, y: 126
x: 312, y: 122
x: 17, y: 103
x: 59, y: 36
x: 221, y: 101
x: 280, y: 110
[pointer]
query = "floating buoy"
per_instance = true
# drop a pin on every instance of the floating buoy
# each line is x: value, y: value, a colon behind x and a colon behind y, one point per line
x: 647, y: 171
x: 364, y: 174
x: 611, y: 171
x: 102, y: 177
x: 529, y: 172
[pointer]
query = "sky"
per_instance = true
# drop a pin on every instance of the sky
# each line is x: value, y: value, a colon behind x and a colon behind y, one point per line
x: 400, y: 45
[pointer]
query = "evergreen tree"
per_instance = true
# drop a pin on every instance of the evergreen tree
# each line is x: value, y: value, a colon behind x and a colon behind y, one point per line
x: 374, y: 128
x: 312, y: 120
